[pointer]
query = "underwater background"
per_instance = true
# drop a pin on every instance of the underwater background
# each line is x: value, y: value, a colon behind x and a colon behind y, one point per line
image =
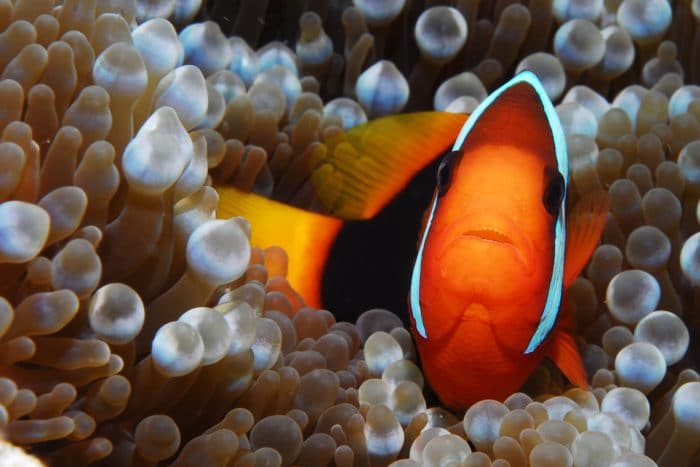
x: 141, y: 325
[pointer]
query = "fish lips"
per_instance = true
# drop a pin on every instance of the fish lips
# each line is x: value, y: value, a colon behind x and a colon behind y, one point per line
x: 498, y: 237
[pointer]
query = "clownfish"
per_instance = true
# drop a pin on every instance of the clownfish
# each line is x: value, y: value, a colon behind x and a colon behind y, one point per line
x: 498, y: 251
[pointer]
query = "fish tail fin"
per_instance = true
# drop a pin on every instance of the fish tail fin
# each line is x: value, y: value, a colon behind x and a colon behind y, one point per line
x: 304, y: 235
x: 584, y: 226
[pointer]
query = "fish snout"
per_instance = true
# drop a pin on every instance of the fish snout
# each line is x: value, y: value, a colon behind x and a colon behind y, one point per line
x: 486, y: 261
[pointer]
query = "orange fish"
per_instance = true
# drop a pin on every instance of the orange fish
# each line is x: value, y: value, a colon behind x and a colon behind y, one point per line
x: 497, y: 251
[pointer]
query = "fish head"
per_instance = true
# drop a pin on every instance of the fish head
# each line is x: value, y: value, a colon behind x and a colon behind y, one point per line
x: 495, y: 230
x: 491, y: 239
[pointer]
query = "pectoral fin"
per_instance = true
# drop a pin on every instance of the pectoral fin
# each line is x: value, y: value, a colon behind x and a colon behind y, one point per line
x: 584, y: 226
x: 562, y: 350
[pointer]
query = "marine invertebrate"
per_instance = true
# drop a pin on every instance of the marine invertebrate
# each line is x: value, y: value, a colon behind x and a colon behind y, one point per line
x: 76, y: 388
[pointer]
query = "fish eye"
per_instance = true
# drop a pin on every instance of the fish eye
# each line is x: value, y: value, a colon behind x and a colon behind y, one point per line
x: 444, y: 172
x: 553, y: 191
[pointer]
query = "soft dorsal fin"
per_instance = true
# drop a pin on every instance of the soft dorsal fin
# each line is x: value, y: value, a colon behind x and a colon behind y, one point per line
x: 584, y: 226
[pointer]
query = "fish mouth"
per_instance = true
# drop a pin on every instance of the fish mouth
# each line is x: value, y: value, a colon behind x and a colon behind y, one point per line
x: 490, y: 235
x: 492, y: 231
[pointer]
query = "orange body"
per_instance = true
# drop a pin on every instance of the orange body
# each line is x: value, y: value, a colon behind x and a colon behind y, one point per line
x: 486, y: 271
x: 487, y: 259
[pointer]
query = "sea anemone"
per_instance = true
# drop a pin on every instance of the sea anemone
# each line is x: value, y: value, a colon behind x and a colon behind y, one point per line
x: 138, y: 329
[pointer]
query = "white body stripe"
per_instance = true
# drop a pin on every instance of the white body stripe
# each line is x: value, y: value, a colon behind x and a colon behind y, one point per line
x: 415, y: 278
